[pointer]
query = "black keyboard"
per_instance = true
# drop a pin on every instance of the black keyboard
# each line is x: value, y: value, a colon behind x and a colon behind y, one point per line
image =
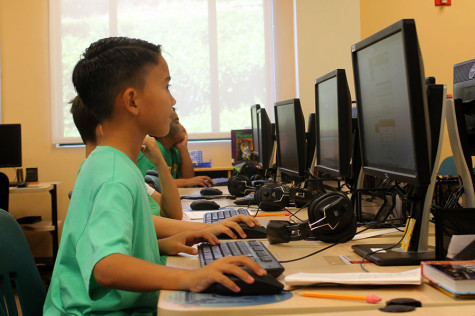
x: 217, y: 216
x: 247, y: 200
x: 254, y: 249
x: 17, y: 184
x: 218, y: 182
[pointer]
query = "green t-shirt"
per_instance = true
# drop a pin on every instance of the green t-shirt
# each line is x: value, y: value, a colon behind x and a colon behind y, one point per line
x: 109, y: 213
x: 172, y: 158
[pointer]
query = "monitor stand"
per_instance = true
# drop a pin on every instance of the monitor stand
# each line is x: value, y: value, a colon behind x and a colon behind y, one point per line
x: 415, y: 242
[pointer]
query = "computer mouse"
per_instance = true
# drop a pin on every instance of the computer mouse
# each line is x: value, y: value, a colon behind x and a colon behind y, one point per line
x: 211, y: 191
x: 263, y: 285
x: 255, y: 232
x: 203, y: 205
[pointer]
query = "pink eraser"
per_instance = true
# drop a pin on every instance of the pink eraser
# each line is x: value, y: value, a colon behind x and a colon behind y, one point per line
x: 372, y: 299
x: 287, y: 213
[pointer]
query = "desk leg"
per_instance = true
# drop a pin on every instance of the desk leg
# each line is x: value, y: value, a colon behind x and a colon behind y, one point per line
x: 54, y: 220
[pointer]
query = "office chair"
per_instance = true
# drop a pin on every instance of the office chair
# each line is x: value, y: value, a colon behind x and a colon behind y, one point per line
x: 18, y: 267
x: 4, y: 191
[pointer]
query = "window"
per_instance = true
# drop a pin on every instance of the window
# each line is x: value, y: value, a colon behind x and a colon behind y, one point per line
x: 219, y: 53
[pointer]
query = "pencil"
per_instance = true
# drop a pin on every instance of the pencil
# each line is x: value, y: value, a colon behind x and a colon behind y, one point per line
x: 272, y: 214
x: 372, y: 299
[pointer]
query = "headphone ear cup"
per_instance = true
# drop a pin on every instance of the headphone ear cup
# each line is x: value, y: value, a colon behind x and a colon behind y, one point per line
x: 337, y: 219
x: 271, y: 197
x: 238, y: 185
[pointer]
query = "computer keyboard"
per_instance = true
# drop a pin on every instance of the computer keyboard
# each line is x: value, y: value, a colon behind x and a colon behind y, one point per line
x: 213, y: 217
x: 217, y: 182
x: 17, y: 184
x: 254, y: 249
x: 247, y: 200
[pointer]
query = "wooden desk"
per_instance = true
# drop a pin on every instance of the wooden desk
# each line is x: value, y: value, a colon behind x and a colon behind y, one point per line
x: 325, y: 262
x: 215, y: 172
x: 51, y: 226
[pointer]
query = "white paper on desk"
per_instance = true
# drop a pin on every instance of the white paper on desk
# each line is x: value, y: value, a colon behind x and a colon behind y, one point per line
x: 406, y: 277
x: 194, y: 214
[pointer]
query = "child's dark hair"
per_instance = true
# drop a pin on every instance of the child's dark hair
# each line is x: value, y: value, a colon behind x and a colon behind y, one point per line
x: 107, y: 67
x: 85, y: 121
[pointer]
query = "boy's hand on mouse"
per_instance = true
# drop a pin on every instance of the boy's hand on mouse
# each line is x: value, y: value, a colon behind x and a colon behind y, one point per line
x: 228, y: 225
x: 184, y: 241
x: 200, y: 279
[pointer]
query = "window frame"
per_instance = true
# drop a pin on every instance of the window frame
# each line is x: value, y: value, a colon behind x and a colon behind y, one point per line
x: 55, y: 46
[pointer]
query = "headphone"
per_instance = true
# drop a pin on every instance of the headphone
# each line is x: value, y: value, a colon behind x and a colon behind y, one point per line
x: 274, y: 197
x: 331, y: 219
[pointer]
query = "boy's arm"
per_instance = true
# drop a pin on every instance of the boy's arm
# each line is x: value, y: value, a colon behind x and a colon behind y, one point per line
x: 170, y: 202
x: 187, y: 169
x: 200, y: 181
x: 166, y: 227
x: 127, y: 273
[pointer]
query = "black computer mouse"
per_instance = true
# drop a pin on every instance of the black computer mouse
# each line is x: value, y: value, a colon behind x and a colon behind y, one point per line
x: 255, y: 232
x: 203, y: 205
x: 263, y: 285
x: 211, y: 191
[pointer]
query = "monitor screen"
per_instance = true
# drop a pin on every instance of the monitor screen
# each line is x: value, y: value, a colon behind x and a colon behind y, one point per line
x: 255, y: 135
x: 10, y: 145
x: 265, y: 135
x: 291, y: 142
x: 334, y: 126
x: 392, y: 105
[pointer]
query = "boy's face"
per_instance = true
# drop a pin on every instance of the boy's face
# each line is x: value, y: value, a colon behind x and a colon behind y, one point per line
x: 157, y: 101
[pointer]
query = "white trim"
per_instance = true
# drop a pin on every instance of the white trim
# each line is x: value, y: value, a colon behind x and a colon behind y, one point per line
x: 296, y: 50
x: 56, y: 93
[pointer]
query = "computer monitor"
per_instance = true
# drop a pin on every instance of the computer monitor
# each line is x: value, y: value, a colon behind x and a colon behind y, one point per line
x: 464, y: 99
x: 311, y: 140
x: 265, y: 134
x: 394, y: 130
x: 290, y: 134
x: 255, y: 136
x: 334, y: 125
x: 10, y: 145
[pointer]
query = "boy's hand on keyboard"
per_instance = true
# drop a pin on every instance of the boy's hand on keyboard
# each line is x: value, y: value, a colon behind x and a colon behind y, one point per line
x: 230, y: 225
x: 184, y: 241
x: 201, y: 279
x: 201, y: 181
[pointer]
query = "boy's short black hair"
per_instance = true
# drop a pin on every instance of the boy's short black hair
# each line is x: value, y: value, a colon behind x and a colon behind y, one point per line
x: 85, y: 121
x: 107, y: 67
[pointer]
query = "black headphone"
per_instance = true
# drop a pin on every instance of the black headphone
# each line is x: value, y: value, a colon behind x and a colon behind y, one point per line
x: 331, y: 219
x: 240, y: 185
x: 272, y: 197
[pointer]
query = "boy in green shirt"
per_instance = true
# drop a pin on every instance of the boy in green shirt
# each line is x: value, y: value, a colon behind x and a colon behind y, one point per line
x: 108, y: 258
x: 174, y: 148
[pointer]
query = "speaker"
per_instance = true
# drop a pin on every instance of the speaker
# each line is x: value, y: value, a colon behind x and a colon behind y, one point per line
x: 330, y: 219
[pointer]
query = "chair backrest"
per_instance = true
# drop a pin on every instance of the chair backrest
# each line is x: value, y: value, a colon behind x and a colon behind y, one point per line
x: 4, y: 191
x: 18, y: 267
x: 447, y: 167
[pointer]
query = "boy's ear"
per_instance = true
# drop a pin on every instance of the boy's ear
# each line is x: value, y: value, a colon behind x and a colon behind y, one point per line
x: 129, y: 101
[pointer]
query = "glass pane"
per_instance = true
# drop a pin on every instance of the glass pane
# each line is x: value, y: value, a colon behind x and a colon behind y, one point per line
x: 241, y: 61
x: 82, y: 22
x: 182, y: 28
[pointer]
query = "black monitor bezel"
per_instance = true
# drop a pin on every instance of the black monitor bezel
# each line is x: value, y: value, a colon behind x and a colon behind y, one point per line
x: 255, y: 145
x: 300, y: 138
x: 345, y: 142
x: 14, y: 130
x: 311, y: 139
x: 417, y: 96
x: 266, y: 138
